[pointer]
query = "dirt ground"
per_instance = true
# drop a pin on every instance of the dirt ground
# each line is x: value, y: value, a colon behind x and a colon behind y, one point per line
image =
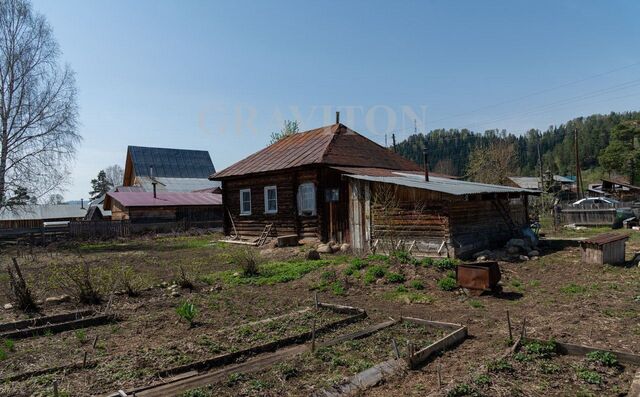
x: 560, y: 298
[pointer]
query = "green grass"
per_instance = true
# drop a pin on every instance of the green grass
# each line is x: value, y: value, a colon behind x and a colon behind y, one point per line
x: 395, y: 277
x: 416, y: 284
x: 373, y: 273
x: 272, y: 273
x: 499, y: 366
x: 447, y: 284
x: 476, y: 304
x: 573, y: 289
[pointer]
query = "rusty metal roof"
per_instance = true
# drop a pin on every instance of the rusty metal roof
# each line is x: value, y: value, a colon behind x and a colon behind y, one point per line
x: 372, y: 171
x: 168, y: 199
x: 606, y: 238
x: 331, y: 145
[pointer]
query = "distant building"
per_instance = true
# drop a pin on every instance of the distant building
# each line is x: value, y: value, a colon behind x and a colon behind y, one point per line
x: 38, y: 215
x: 173, y: 170
x: 616, y: 187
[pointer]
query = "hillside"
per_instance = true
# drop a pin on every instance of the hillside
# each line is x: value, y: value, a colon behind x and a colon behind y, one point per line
x: 449, y: 149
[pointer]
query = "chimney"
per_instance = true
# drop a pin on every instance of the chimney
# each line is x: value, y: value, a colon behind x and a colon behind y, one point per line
x: 154, y: 189
x: 81, y: 203
x: 153, y: 181
x: 426, y: 164
x: 337, y: 117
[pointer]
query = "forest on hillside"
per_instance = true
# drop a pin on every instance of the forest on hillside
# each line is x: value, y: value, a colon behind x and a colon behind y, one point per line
x: 449, y: 150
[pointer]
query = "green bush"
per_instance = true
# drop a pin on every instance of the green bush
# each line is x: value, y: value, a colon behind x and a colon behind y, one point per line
x: 401, y: 288
x: 395, y: 277
x: 445, y: 264
x: 358, y: 263
x: 373, y: 273
x: 426, y: 262
x: 416, y: 284
x: 447, y: 284
x: 607, y: 359
x: 540, y: 349
x: 188, y: 312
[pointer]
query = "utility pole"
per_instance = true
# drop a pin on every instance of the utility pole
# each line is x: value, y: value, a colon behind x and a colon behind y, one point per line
x: 578, y: 173
x: 542, y: 186
x: 385, y: 141
x: 393, y: 140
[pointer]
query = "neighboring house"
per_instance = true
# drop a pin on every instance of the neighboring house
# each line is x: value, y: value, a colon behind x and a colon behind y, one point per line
x: 617, y: 187
x: 96, y: 211
x: 173, y: 170
x: 38, y: 215
x: 168, y: 208
x: 329, y: 183
x: 560, y: 183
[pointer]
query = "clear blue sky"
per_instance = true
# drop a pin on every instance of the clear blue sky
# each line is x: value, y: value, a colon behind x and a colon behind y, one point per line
x: 221, y: 76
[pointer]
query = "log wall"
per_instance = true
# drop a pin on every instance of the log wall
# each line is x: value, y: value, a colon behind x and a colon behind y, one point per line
x: 286, y: 220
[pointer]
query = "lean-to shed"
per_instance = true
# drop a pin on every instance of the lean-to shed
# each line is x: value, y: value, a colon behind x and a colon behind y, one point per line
x: 605, y: 248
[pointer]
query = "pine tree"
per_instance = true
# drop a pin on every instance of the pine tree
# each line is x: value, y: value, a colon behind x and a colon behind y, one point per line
x: 100, y: 185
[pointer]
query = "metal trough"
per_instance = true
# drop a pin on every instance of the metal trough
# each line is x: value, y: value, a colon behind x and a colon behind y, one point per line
x: 478, y: 276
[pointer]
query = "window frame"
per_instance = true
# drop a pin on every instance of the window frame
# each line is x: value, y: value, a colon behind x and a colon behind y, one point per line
x: 266, y: 199
x: 242, y: 211
x: 303, y: 211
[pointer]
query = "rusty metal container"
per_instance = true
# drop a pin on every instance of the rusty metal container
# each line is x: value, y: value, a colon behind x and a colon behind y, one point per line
x: 478, y: 276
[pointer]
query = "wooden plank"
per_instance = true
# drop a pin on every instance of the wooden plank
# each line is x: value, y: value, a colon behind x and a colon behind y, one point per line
x: 435, y: 324
x: 448, y: 341
x: 39, y: 321
x: 368, y: 378
x: 580, y: 350
x: 59, y: 327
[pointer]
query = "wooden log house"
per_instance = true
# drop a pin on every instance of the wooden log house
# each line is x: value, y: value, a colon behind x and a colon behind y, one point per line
x: 327, y: 183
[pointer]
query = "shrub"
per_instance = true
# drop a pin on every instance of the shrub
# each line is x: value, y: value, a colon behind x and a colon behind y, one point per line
x: 417, y: 284
x: 128, y: 280
x: 445, y: 264
x: 80, y: 280
x: 499, y: 366
x: 188, y: 312
x: 81, y: 336
x: 447, y: 284
x: 402, y: 256
x: 401, y: 288
x: 248, y: 262
x: 373, y: 273
x: 358, y: 263
x: 395, y: 277
x: 607, y: 359
x: 21, y: 294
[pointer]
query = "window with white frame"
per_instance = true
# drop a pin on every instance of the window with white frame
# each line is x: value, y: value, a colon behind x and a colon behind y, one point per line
x: 245, y: 201
x: 270, y: 200
x: 307, y: 199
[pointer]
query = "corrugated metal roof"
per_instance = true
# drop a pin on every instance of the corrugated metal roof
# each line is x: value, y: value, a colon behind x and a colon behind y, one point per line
x: 331, y: 145
x: 171, y: 163
x: 42, y: 211
x: 372, y: 171
x: 526, y: 182
x: 442, y: 185
x: 176, y: 184
x: 146, y: 199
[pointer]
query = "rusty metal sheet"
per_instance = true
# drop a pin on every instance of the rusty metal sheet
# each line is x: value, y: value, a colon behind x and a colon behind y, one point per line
x: 478, y: 276
x: 331, y: 145
x: 605, y: 238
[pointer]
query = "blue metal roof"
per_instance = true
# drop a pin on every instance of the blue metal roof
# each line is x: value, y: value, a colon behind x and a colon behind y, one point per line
x: 171, y: 163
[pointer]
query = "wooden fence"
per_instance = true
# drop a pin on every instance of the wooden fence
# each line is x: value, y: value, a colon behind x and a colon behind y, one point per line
x: 99, y: 229
x: 588, y: 217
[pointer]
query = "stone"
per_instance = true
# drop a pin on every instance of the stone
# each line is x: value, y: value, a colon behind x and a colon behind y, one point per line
x: 523, y: 258
x: 8, y: 306
x: 482, y: 258
x: 485, y: 254
x: 533, y: 253
x: 175, y: 294
x: 345, y: 247
x: 313, y: 255
x: 513, y: 250
x: 324, y: 249
x: 57, y: 299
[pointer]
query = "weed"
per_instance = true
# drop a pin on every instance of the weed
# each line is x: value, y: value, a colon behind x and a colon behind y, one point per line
x: 287, y: 371
x: 416, y: 284
x: 476, y: 304
x: 273, y: 273
x: 9, y: 345
x: 589, y: 376
x: 447, y: 284
x: 188, y: 312
x: 445, y: 264
x: 373, y: 273
x: 401, y: 288
x: 200, y: 392
x: 81, y: 336
x: 549, y: 368
x: 522, y: 357
x: 234, y: 379
x: 499, y: 366
x: 19, y: 290
x: 248, y: 262
x: 128, y: 280
x: 3, y: 355
x: 402, y: 295
x: 402, y: 256
x: 573, y: 289
x: 338, y: 288
x: 482, y: 380
x: 184, y: 280
x: 378, y: 258
x: 395, y: 277
x: 607, y: 359
x: 80, y: 280
x: 462, y: 390
x: 358, y: 263
x: 427, y: 262
x: 257, y: 385
x: 542, y: 350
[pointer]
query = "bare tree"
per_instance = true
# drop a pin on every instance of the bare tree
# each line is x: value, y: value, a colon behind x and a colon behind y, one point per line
x: 115, y: 175
x: 55, y: 198
x: 38, y: 111
x: 493, y: 164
